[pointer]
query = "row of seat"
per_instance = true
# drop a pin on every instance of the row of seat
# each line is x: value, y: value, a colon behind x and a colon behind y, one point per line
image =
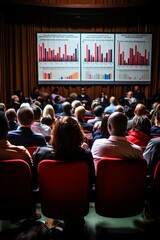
x: 119, y: 188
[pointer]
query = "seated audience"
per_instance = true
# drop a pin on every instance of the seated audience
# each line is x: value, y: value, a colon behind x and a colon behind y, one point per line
x: 102, y: 132
x: 66, y: 145
x: 98, y: 113
x: 112, y: 105
x: 104, y: 100
x: 79, y: 115
x: 55, y: 93
x: 37, y: 125
x: 140, y: 132
x: 155, y: 129
x: 49, y: 110
x: 66, y: 110
x: 84, y: 98
x: 11, y: 115
x: 15, y: 102
x: 152, y: 155
x: 8, y: 150
x: 116, y: 145
x: 2, y: 107
x: 24, y: 135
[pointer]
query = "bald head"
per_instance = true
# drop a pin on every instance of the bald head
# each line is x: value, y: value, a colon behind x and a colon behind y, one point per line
x: 140, y: 109
x: 117, y: 124
x: 79, y: 112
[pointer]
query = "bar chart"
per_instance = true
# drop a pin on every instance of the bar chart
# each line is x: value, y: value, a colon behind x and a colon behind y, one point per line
x: 133, y: 57
x: 97, y: 53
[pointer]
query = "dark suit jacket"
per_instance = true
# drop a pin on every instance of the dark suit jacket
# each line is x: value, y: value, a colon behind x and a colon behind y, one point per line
x: 26, y: 137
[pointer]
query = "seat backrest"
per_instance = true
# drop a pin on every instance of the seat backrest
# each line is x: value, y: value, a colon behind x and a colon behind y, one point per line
x: 64, y: 188
x: 16, y: 200
x: 120, y: 187
x: 154, y: 198
x: 31, y: 149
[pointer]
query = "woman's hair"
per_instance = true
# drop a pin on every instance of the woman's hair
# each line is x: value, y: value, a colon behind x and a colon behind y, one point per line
x: 67, y: 136
x: 142, y: 123
x: 49, y: 109
x: 104, y: 128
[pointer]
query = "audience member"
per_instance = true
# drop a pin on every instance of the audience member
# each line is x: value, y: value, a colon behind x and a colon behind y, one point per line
x: 11, y: 115
x: 66, y: 145
x: 139, y: 110
x: 98, y: 113
x: 102, y: 132
x: 155, y: 129
x: 34, y: 94
x: 116, y: 145
x: 19, y: 93
x: 49, y: 110
x: 84, y: 98
x: 104, y: 100
x: 139, y: 95
x: 7, y: 150
x: 112, y: 105
x: 24, y: 135
x: 79, y: 115
x: 15, y: 102
x: 152, y: 155
x: 55, y: 93
x: 140, y: 132
x: 37, y: 125
x: 130, y: 97
x: 66, y: 110
x: 2, y: 107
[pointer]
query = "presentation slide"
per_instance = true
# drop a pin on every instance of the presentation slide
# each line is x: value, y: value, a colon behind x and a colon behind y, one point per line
x: 133, y: 57
x: 94, y: 58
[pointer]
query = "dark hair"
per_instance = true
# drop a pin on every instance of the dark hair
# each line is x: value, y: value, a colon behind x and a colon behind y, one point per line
x: 25, y: 115
x: 98, y: 111
x: 11, y: 114
x: 37, y: 112
x: 67, y: 136
x: 4, y: 126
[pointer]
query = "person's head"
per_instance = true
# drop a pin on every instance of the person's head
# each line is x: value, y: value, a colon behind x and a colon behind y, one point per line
x: 4, y: 126
x: 11, y: 114
x: 14, y: 98
x: 25, y: 116
x: 117, y: 124
x: 49, y: 109
x: 98, y: 111
x: 75, y: 104
x: 47, y: 120
x: 140, y: 109
x: 157, y: 118
x: 104, y: 128
x: 37, y: 112
x: 67, y: 135
x: 79, y: 112
x: 141, y: 123
x: 119, y: 108
x: 130, y: 94
x: 73, y: 96
x: 66, y: 107
x: 82, y: 90
x: 112, y: 100
x: 2, y: 107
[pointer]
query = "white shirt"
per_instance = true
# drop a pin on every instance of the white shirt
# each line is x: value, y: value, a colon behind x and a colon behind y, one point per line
x: 115, y: 146
x: 41, y: 128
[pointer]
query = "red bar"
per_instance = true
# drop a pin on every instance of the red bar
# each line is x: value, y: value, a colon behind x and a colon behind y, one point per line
x: 86, y: 53
x: 119, y: 63
x: 39, y: 52
x: 95, y: 52
x: 59, y: 54
x: 43, y: 52
x: 109, y: 55
x: 49, y: 54
x: 145, y: 57
x: 136, y: 55
x: 65, y: 52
